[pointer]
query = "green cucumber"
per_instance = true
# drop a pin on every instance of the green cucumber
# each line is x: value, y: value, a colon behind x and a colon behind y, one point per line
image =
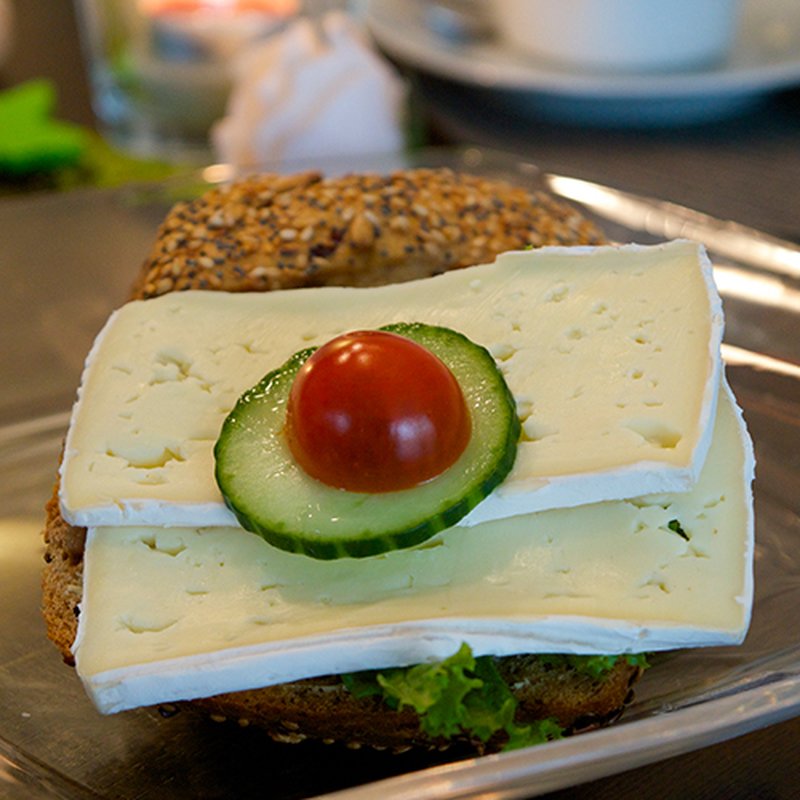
x: 273, y: 497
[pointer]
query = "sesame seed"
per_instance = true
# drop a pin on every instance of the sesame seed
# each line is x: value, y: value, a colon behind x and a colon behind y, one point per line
x: 399, y: 223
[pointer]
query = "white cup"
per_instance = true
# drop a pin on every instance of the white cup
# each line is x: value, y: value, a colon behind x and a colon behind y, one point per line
x: 620, y: 35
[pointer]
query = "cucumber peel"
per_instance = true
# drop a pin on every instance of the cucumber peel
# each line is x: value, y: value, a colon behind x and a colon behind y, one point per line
x: 273, y: 497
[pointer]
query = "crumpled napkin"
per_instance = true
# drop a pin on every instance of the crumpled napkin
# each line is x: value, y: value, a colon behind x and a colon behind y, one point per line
x: 315, y: 90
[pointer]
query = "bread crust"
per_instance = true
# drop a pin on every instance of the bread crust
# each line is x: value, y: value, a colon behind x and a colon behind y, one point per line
x: 273, y: 232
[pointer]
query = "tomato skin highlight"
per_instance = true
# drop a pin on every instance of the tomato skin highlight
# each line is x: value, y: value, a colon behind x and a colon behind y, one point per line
x: 372, y: 411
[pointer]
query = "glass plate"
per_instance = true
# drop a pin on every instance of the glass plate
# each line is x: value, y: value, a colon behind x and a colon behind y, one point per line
x: 54, y: 744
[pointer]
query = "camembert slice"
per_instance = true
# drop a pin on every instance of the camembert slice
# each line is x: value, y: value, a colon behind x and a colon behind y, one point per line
x: 612, y: 355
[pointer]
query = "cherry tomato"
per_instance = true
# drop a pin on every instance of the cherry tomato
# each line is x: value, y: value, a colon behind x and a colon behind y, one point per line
x: 371, y: 411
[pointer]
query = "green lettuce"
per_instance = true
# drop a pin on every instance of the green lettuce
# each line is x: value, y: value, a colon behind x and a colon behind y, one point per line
x: 460, y: 695
x: 466, y: 695
x: 596, y: 667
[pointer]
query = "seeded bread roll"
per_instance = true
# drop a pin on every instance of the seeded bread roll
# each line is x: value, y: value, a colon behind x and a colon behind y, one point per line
x: 276, y: 232
x: 284, y: 232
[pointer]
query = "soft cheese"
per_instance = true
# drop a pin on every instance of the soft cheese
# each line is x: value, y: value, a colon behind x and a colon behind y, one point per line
x: 179, y: 613
x: 612, y: 355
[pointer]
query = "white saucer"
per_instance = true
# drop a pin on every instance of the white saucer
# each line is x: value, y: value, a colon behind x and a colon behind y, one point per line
x: 765, y: 57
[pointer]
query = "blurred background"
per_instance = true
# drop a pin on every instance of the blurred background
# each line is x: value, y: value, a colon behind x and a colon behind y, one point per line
x: 710, y: 120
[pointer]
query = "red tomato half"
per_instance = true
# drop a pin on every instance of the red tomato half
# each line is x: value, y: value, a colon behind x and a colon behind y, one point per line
x: 372, y: 411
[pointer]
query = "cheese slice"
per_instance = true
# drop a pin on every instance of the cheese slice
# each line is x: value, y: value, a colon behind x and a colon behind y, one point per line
x: 611, y: 353
x: 171, y: 614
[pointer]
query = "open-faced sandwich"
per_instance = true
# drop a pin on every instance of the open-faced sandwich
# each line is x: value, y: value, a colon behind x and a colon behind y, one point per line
x: 452, y: 481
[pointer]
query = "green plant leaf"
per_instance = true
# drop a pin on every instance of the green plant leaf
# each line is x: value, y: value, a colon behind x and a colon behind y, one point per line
x: 31, y: 140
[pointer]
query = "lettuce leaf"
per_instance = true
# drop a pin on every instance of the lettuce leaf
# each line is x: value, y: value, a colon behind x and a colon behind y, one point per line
x: 466, y: 695
x: 460, y: 695
x: 596, y: 667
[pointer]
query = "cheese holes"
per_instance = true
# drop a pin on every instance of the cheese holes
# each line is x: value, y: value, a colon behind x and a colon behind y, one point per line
x: 655, y: 433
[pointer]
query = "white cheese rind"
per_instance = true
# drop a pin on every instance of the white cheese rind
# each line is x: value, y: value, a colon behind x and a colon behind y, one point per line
x: 612, y: 355
x: 172, y: 614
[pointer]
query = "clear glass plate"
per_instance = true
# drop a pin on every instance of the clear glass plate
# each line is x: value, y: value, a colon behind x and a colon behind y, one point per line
x: 54, y: 744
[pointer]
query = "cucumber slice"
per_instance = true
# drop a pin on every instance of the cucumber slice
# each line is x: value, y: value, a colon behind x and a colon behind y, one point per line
x: 273, y: 497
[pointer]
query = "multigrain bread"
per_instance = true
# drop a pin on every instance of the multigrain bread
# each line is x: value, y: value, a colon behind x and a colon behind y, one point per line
x: 272, y: 232
x: 266, y: 233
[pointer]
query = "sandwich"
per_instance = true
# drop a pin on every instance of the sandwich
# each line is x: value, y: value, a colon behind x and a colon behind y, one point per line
x: 505, y: 610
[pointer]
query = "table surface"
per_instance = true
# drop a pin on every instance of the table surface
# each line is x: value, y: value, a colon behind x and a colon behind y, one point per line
x: 746, y: 169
